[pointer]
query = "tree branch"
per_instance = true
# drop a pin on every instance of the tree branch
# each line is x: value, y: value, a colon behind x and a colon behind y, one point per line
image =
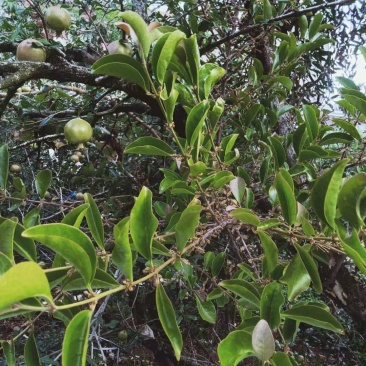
x: 294, y: 14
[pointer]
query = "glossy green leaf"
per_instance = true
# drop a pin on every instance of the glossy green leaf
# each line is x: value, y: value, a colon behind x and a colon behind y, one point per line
x: 163, y: 52
x: 22, y: 281
x: 315, y: 316
x: 235, y: 347
x: 286, y: 197
x: 124, y: 67
x: 336, y: 138
x: 4, y: 166
x: 76, y: 216
x: 122, y: 255
x: 75, y: 344
x: 349, y: 199
x: 303, y: 25
x: 285, y: 81
x: 31, y: 354
x: 143, y: 223
x: 183, y: 188
x: 271, y: 303
x: 217, y: 264
x: 214, y: 294
x: 296, y: 278
x: 315, y: 24
x: 43, y: 181
x: 348, y: 127
x: 7, y: 230
x: 149, y: 146
x: 270, y: 250
x: 193, y: 57
x: 9, y: 352
x: 94, y: 220
x: 168, y: 320
x: 263, y: 341
x: 311, y: 121
x: 207, y: 310
x: 282, y: 359
x: 325, y: 192
x: 187, y: 224
x: 249, y: 296
x: 69, y: 242
x: 347, y: 83
x: 195, y: 121
x: 139, y: 26
x: 358, y: 103
x: 246, y: 216
x: 311, y: 267
x: 209, y: 75
x: 5, y: 263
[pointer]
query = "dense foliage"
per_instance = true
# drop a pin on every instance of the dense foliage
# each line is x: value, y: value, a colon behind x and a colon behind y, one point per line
x: 218, y: 212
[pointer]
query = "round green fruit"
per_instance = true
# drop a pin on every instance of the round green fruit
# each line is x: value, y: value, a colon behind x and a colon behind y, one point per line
x: 78, y: 131
x: 15, y: 168
x: 118, y: 47
x: 58, y: 18
x: 31, y: 50
x: 122, y: 335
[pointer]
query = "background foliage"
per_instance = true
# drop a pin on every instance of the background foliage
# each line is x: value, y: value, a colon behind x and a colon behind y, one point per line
x: 217, y: 214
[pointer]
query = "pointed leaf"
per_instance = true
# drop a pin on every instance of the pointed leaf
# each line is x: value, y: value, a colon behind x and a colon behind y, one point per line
x: 4, y: 166
x: 9, y: 352
x: 149, y: 146
x: 75, y: 344
x: 94, y: 220
x: 122, y: 255
x: 206, y: 310
x: 7, y: 229
x: 31, y: 354
x: 315, y: 24
x: 263, y: 341
x: 282, y: 359
x: 235, y: 347
x: 287, y: 198
x: 76, y: 216
x: 315, y: 316
x: 143, y: 223
x: 271, y: 303
x: 217, y: 264
x: 311, y: 121
x: 193, y: 57
x: 270, y: 250
x: 246, y: 216
x: 22, y: 281
x: 69, y: 242
x: 237, y: 187
x: 43, y: 181
x: 195, y: 120
x: 168, y: 320
x: 325, y: 192
x: 357, y: 102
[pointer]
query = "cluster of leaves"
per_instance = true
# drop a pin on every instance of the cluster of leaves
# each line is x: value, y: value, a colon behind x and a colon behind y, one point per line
x: 209, y: 188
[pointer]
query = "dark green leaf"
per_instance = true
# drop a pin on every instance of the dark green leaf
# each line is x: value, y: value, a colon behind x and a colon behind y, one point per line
x: 9, y: 352
x: 246, y: 216
x: 271, y: 303
x: 31, y: 355
x: 149, y: 146
x: 314, y: 25
x: 43, y: 181
x: 94, y: 220
x: 206, y: 310
x: 4, y: 166
x: 195, y: 120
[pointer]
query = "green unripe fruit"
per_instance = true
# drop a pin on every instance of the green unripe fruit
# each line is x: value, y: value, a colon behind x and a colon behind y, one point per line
x: 58, y: 19
x: 31, y: 50
x: 78, y: 131
x: 122, y: 48
x: 15, y: 168
x: 122, y: 335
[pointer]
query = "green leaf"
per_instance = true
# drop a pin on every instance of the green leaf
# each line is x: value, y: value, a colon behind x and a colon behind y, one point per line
x: 270, y: 250
x: 32, y: 218
x: 348, y: 127
x: 284, y: 80
x: 314, y: 25
x: 315, y: 316
x: 336, y: 138
x: 5, y: 263
x: 31, y: 354
x: 311, y: 121
x: 246, y: 216
x: 249, y: 296
x: 303, y: 25
x: 75, y: 216
x: 363, y: 51
x: 163, y: 52
x: 140, y: 28
x: 278, y: 151
x: 347, y: 83
x: 217, y: 264
x: 282, y: 359
x: 349, y: 198
x: 325, y: 192
x: 296, y: 277
x: 263, y: 341
x: 206, y: 310
x: 168, y: 321
x: 209, y: 75
x: 187, y: 224
x: 235, y: 347
x: 94, y: 220
x: 7, y: 230
x: 43, y: 181
x: 222, y: 178
x: 143, y: 223
x: 75, y: 344
x: 4, y: 166
x: 22, y: 281
x: 237, y: 187
x: 195, y: 120
x: 357, y: 102
x: 149, y: 146
x: 69, y: 242
x: 311, y: 267
x: 267, y: 9
x: 122, y: 255
x: 124, y: 67
x: 286, y: 197
x: 271, y: 303
x: 193, y: 57
x: 9, y: 352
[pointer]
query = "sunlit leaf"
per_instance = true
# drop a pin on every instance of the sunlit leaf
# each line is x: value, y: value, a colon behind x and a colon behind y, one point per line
x: 149, y: 146
x: 94, y: 220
